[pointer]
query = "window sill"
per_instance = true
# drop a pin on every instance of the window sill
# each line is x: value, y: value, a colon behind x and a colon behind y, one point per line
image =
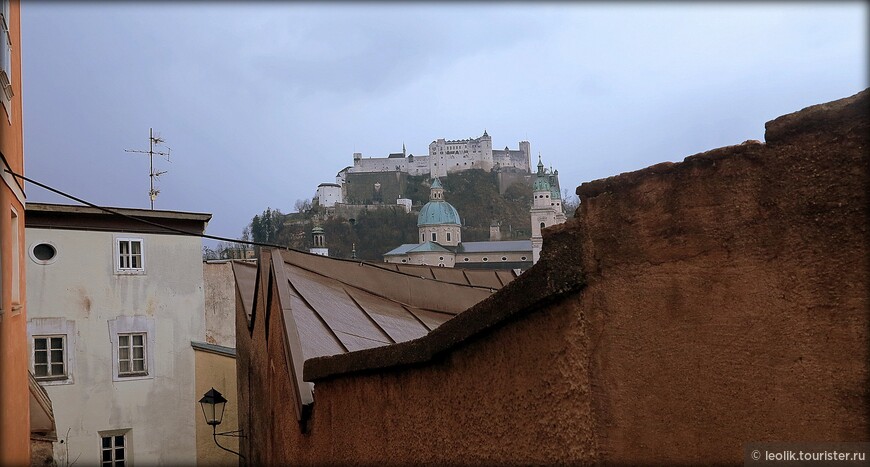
x: 129, y: 272
x: 54, y: 380
x: 132, y: 377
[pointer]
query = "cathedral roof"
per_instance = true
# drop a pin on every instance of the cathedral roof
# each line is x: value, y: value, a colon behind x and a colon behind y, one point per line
x: 438, y: 212
x: 541, y: 184
x: 429, y: 247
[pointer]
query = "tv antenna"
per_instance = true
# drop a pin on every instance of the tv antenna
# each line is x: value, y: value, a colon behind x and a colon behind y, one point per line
x: 152, y: 140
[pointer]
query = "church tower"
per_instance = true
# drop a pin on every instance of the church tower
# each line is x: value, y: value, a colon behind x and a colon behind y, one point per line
x: 318, y: 242
x: 543, y: 212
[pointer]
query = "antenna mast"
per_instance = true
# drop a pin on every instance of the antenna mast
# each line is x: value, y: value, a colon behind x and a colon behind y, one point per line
x: 152, y: 140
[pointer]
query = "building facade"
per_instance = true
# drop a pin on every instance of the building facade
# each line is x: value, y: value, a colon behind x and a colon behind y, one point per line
x: 448, y: 156
x: 440, y: 233
x: 546, y: 208
x: 631, y: 342
x: 328, y: 194
x: 14, y: 386
x: 115, y: 306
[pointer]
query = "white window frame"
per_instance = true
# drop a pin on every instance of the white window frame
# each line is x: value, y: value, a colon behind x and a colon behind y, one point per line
x: 125, y: 325
x: 49, y: 363
x: 127, y: 343
x: 116, y: 255
x: 43, y: 261
x: 6, y: 59
x: 42, y: 327
x: 128, y: 451
x: 16, y: 264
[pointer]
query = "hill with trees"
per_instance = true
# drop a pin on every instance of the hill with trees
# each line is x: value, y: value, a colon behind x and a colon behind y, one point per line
x: 376, y: 230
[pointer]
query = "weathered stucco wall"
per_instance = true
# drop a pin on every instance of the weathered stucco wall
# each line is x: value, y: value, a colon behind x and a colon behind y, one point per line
x: 719, y: 301
x: 727, y: 295
x: 220, y: 303
x: 79, y: 286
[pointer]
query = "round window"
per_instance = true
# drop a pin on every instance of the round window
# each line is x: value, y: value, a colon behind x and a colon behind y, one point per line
x: 485, y: 258
x: 43, y: 253
x: 504, y: 258
x: 523, y: 258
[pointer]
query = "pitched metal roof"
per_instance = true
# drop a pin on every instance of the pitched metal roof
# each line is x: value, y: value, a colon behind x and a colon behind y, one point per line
x: 331, y: 306
x: 402, y: 249
x: 214, y: 348
x: 74, y: 217
x: 429, y: 247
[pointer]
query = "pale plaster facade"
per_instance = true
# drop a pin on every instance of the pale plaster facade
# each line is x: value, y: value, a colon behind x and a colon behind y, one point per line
x: 448, y: 156
x: 328, y: 194
x: 220, y: 300
x: 81, y: 295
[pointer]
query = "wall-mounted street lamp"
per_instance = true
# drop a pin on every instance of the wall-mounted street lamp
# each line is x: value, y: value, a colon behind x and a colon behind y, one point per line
x: 213, y: 404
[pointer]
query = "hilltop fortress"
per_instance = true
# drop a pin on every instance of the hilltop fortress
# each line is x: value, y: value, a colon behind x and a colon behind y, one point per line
x: 449, y: 156
x: 377, y: 180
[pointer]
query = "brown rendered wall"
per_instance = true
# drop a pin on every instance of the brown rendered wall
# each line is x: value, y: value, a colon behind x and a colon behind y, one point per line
x: 727, y: 295
x: 725, y: 302
x: 521, y: 385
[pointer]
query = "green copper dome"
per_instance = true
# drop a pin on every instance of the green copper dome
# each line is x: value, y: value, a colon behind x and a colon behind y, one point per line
x: 541, y: 184
x: 438, y: 212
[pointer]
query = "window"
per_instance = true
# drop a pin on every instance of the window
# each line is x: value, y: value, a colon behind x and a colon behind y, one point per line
x: 129, y: 255
x: 543, y: 225
x: 5, y: 59
x: 485, y: 258
x: 114, y: 448
x: 434, y: 237
x: 131, y: 355
x: 16, y: 266
x: 52, y: 351
x: 133, y: 347
x: 504, y: 258
x: 43, y: 253
x: 422, y: 238
x: 49, y: 357
x: 448, y: 236
x: 523, y: 258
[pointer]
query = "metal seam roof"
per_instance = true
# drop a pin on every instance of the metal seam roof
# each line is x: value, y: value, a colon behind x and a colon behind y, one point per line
x: 330, y: 307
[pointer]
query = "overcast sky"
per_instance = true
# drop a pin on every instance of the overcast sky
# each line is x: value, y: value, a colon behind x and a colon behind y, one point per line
x: 262, y: 102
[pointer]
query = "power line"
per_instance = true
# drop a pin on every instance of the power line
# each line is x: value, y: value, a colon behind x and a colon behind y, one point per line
x: 203, y: 235
x: 145, y: 221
